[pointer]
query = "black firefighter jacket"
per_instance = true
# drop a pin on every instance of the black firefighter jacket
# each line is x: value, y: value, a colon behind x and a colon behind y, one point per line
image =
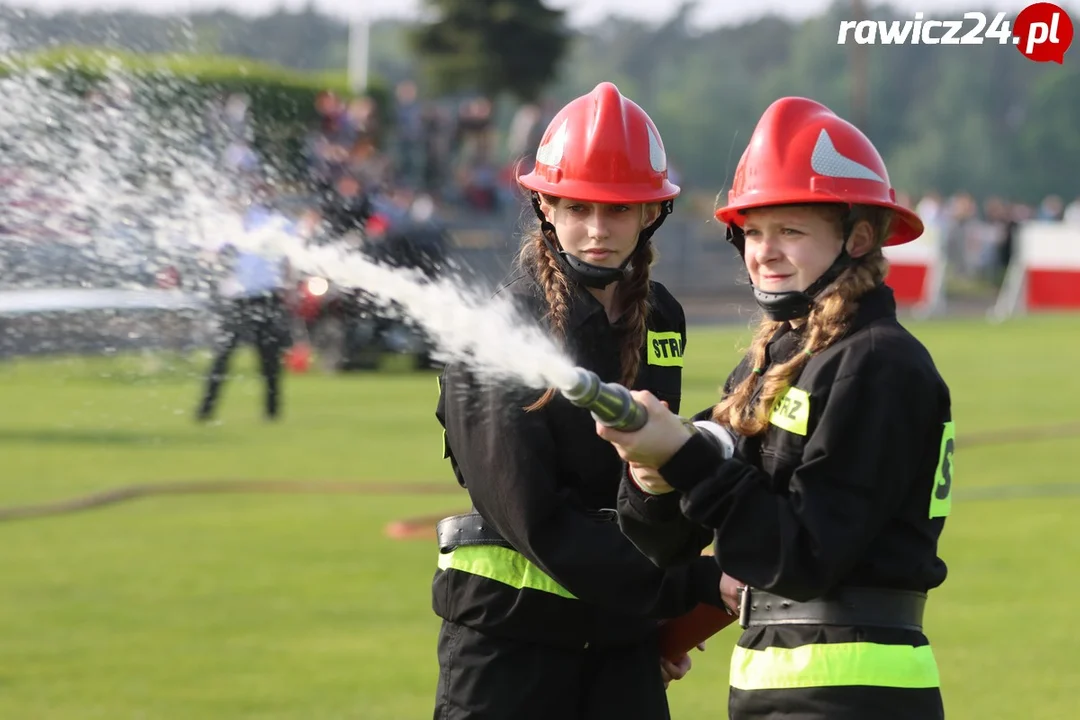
x: 543, y: 480
x: 849, y: 485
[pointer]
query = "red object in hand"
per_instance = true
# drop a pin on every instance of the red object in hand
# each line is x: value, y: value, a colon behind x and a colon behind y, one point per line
x: 682, y: 634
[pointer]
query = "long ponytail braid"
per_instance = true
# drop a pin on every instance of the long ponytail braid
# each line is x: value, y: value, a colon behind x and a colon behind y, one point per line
x: 556, y: 287
x: 632, y: 296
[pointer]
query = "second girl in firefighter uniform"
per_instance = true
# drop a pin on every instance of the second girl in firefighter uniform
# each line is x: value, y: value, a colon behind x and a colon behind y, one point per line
x: 827, y: 515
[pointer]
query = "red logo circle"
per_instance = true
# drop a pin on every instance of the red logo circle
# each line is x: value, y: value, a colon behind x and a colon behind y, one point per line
x: 1043, y: 32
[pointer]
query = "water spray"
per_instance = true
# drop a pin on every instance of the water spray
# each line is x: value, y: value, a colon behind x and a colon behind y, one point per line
x: 136, y: 179
x: 610, y: 403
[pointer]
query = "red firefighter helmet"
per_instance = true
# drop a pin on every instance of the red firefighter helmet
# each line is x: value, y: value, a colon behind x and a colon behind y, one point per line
x: 801, y: 152
x: 602, y: 147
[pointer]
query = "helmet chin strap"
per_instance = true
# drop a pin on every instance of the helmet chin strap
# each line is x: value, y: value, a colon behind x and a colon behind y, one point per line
x: 587, y: 274
x: 795, y: 304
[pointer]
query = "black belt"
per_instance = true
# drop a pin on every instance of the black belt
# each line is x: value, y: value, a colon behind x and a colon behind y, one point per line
x: 467, y: 529
x: 870, y: 607
x: 471, y: 529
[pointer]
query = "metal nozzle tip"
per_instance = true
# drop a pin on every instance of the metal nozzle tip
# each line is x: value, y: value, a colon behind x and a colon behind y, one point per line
x: 584, y: 382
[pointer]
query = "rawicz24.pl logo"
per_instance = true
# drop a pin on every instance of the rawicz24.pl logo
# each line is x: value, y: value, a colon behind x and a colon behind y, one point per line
x: 1041, y: 32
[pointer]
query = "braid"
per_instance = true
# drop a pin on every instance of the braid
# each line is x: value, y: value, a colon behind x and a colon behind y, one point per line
x: 549, y: 274
x: 732, y: 409
x: 633, y: 296
x: 828, y: 321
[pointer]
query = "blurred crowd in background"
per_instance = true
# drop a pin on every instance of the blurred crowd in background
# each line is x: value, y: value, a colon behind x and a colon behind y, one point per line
x: 453, y: 153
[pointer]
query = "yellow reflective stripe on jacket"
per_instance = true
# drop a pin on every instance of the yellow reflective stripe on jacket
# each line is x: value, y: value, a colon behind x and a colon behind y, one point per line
x: 445, y: 441
x: 501, y: 565
x: 791, y: 411
x: 941, y: 497
x: 664, y: 349
x: 833, y: 664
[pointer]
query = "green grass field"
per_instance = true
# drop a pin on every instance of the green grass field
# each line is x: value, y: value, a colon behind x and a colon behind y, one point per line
x: 274, y: 606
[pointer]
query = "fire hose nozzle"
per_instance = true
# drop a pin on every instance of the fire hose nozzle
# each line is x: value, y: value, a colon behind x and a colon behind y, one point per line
x: 609, y: 403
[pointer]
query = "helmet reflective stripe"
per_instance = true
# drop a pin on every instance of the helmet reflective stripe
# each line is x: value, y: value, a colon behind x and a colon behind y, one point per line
x: 657, y: 156
x: 827, y: 160
x: 551, y: 152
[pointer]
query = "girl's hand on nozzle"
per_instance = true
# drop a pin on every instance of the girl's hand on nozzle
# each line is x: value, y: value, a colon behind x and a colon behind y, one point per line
x: 649, y: 479
x: 655, y: 443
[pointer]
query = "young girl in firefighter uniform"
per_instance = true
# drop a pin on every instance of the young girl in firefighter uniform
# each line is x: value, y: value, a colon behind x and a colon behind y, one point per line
x: 826, y: 511
x: 548, y: 610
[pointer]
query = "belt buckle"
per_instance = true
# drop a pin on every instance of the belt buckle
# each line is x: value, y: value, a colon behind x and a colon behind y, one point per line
x: 745, y: 598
